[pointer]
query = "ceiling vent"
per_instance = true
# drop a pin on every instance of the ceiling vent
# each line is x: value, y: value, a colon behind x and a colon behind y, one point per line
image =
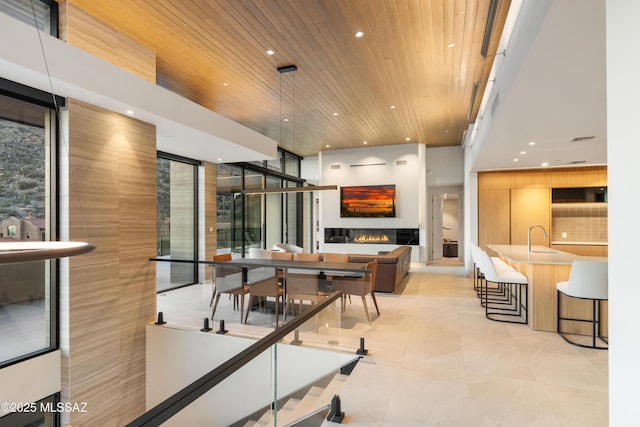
x: 335, y: 166
x: 577, y: 162
x: 401, y: 162
x: 582, y: 138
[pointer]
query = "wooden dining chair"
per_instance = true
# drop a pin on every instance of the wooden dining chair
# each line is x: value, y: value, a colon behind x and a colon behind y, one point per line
x: 283, y: 256
x: 263, y: 282
x: 338, y: 258
x: 229, y: 280
x: 302, y: 285
x: 360, y: 286
x: 218, y: 257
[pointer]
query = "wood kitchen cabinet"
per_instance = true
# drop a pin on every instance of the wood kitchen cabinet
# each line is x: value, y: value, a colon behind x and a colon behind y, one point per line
x: 494, y: 216
x: 530, y: 206
x: 509, y: 202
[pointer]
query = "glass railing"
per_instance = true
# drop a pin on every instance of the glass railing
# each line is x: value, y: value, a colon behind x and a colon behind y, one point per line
x: 270, y: 373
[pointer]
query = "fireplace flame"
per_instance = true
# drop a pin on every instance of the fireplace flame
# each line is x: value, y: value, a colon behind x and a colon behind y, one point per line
x: 372, y: 238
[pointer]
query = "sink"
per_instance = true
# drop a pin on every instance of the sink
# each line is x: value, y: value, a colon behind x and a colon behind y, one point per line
x: 545, y: 251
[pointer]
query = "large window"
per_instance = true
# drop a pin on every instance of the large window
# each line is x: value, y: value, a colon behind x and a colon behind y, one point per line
x: 258, y: 220
x: 176, y: 181
x: 27, y: 297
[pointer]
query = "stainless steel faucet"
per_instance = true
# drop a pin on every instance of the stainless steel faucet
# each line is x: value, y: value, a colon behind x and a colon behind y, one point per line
x: 529, y: 235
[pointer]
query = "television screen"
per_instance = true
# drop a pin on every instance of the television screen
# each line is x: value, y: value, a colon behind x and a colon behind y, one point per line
x: 368, y: 201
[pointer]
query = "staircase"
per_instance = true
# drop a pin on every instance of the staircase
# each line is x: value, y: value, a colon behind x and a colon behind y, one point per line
x: 308, y: 406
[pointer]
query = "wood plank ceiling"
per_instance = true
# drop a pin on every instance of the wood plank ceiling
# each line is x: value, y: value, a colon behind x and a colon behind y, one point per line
x: 214, y: 53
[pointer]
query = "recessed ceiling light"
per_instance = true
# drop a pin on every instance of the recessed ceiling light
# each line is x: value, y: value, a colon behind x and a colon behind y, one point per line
x: 365, y: 142
x: 225, y: 84
x: 286, y: 120
x: 335, y: 114
x: 522, y: 153
x: 545, y: 164
x: 270, y: 52
x: 130, y: 112
x: 516, y: 160
x: 407, y: 139
x: 451, y: 45
x: 219, y: 159
x: 327, y: 146
x: 532, y: 143
x: 359, y: 34
x: 392, y: 107
x: 446, y: 131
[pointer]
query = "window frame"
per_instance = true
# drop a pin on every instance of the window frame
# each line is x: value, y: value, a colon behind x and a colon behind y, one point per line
x: 30, y: 95
x: 196, y: 218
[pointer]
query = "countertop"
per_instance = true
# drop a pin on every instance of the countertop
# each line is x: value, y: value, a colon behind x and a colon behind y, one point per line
x: 566, y: 242
x: 538, y: 255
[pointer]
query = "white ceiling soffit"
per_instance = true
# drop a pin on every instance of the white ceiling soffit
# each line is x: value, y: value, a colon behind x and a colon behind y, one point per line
x: 556, y: 96
x: 183, y: 127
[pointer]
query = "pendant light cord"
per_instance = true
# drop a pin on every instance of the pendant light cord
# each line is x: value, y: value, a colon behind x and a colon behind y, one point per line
x: 72, y: 181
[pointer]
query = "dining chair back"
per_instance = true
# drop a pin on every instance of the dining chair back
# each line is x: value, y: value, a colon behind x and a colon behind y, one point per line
x: 331, y: 257
x: 303, y: 256
x: 283, y: 256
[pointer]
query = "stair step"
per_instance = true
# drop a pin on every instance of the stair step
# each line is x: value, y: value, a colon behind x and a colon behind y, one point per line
x: 284, y: 413
x: 316, y: 398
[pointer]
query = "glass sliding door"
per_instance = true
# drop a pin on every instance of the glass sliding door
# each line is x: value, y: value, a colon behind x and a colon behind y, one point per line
x: 177, y: 220
x: 258, y: 220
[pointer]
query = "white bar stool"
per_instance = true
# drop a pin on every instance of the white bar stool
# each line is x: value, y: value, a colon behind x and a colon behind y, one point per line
x: 514, y: 307
x: 587, y: 280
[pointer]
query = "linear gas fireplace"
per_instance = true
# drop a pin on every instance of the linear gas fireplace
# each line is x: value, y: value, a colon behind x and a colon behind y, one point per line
x: 396, y: 236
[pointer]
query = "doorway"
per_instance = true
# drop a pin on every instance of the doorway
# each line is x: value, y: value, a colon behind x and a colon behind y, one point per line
x: 446, y: 224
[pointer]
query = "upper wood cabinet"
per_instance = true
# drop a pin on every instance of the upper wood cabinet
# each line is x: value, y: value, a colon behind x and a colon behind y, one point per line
x: 494, y: 216
x: 509, y: 202
x: 530, y: 206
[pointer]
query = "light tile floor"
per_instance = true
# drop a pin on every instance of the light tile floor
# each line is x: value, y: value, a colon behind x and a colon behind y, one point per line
x: 435, y: 360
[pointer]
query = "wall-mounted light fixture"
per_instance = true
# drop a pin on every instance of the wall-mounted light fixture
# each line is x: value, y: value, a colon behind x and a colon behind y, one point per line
x: 488, y: 29
x: 474, y: 93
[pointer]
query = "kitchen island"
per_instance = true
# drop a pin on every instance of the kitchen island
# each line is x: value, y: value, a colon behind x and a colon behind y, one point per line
x: 544, y: 267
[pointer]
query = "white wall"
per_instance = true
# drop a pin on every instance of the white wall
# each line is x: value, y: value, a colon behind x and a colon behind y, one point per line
x: 399, y: 164
x: 623, y: 111
x: 31, y: 380
x: 445, y: 166
x: 309, y: 169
